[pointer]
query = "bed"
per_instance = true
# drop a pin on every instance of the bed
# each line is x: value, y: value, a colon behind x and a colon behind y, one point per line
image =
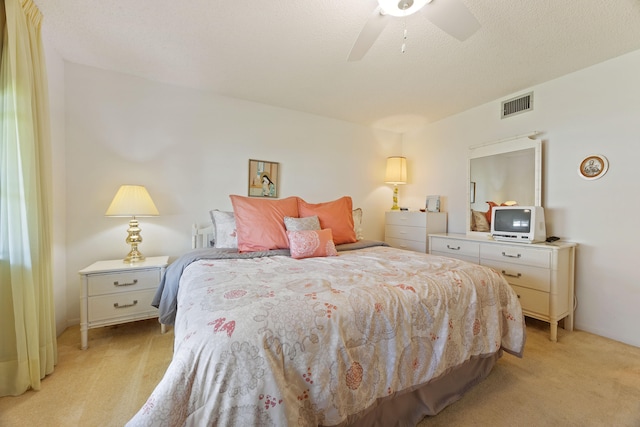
x: 368, y: 335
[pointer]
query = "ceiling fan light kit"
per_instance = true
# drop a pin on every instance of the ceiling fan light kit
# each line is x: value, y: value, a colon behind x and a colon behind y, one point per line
x: 402, y: 7
x: 451, y: 16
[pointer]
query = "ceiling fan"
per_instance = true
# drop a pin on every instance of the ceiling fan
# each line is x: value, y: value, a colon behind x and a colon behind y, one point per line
x: 451, y: 16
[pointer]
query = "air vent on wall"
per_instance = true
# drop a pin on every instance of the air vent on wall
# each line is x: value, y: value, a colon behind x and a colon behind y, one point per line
x: 517, y: 105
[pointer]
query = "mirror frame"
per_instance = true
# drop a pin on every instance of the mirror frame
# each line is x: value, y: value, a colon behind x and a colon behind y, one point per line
x: 502, y: 147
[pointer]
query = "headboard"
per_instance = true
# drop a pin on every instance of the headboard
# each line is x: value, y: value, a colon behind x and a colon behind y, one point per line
x: 201, y: 237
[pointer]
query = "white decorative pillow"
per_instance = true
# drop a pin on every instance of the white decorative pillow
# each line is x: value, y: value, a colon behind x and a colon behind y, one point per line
x: 357, y: 223
x: 300, y: 224
x: 224, y: 229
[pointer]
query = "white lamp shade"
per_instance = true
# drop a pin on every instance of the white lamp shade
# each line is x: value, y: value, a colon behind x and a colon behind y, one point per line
x: 402, y: 7
x: 396, y: 170
x: 132, y: 200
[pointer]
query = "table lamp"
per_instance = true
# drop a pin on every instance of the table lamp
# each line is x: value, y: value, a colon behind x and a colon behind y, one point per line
x: 396, y: 174
x: 132, y: 201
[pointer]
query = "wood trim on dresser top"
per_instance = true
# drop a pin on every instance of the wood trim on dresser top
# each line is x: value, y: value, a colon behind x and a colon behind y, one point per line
x: 542, y: 274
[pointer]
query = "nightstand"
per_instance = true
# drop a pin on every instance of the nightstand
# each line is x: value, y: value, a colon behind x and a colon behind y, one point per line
x: 409, y: 229
x: 114, y: 292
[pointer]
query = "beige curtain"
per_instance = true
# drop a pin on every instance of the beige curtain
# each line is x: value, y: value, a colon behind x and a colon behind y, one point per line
x: 28, y: 348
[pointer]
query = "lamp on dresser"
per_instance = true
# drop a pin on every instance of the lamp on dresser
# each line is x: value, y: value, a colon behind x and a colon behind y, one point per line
x: 132, y: 201
x: 396, y: 174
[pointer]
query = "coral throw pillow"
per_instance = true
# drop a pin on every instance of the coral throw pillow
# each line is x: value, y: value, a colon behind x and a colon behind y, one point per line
x: 260, y: 222
x: 311, y: 243
x: 336, y: 215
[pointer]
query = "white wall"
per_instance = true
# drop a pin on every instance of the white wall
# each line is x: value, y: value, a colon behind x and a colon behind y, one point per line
x: 191, y: 150
x: 55, y: 74
x: 593, y: 111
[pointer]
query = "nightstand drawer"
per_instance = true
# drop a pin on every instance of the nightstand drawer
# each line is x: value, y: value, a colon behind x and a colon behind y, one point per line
x: 455, y: 248
x: 411, y: 245
x: 522, y: 275
x: 517, y: 254
x: 126, y: 304
x: 406, y: 232
x: 533, y: 302
x: 111, y: 283
x: 412, y: 219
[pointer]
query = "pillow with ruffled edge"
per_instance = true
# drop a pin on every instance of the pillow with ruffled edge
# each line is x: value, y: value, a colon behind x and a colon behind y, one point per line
x: 260, y: 222
x: 311, y: 243
x: 479, y: 221
x: 336, y: 215
x: 224, y: 229
x: 357, y: 223
x: 300, y: 224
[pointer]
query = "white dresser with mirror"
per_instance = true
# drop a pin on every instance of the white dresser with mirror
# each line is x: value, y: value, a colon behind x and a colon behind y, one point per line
x: 542, y: 274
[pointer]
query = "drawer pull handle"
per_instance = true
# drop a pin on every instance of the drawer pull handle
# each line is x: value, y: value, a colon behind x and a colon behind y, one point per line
x: 517, y: 276
x: 511, y: 256
x: 116, y: 305
x: 453, y: 249
x: 135, y: 282
x: 518, y: 296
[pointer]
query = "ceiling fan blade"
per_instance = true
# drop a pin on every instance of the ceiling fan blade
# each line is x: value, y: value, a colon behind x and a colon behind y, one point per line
x: 452, y: 17
x: 369, y: 34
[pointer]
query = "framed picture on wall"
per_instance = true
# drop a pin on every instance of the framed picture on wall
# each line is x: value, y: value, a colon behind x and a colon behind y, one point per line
x: 593, y: 166
x: 263, y: 178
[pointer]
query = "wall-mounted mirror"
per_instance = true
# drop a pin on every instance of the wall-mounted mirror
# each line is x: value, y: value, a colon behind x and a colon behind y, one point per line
x: 505, y: 172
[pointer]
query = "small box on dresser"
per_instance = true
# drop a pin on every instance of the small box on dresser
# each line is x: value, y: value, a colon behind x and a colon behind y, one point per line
x: 409, y: 229
x: 541, y: 274
x: 113, y: 292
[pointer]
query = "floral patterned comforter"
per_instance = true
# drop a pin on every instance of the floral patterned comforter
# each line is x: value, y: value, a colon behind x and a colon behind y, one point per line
x: 277, y: 341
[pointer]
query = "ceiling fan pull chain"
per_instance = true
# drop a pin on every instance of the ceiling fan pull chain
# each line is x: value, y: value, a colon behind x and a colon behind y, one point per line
x: 404, y: 38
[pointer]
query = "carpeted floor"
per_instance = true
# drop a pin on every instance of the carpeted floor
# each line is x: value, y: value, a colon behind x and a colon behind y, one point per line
x: 101, y: 386
x: 582, y: 380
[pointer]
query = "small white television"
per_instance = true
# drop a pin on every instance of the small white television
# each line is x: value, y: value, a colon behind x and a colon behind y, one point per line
x: 523, y: 224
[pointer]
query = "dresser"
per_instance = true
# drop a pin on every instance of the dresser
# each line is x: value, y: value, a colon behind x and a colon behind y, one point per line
x: 541, y: 274
x: 409, y: 229
x: 114, y: 292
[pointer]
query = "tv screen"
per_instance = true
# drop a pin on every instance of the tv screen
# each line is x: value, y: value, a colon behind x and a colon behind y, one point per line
x: 518, y: 220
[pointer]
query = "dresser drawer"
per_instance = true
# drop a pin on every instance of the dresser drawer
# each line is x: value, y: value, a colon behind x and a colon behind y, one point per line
x: 473, y: 260
x: 516, y: 254
x: 404, y: 232
x: 124, y: 304
x: 110, y: 283
x: 523, y: 275
x: 411, y: 245
x: 455, y: 248
x: 412, y: 219
x: 533, y: 302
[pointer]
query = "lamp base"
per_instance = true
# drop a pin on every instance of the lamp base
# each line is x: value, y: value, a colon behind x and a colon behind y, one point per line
x: 395, y: 206
x: 133, y: 256
x: 134, y: 238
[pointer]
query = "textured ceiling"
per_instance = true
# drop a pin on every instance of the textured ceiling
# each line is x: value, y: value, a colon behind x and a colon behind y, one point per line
x: 293, y: 53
